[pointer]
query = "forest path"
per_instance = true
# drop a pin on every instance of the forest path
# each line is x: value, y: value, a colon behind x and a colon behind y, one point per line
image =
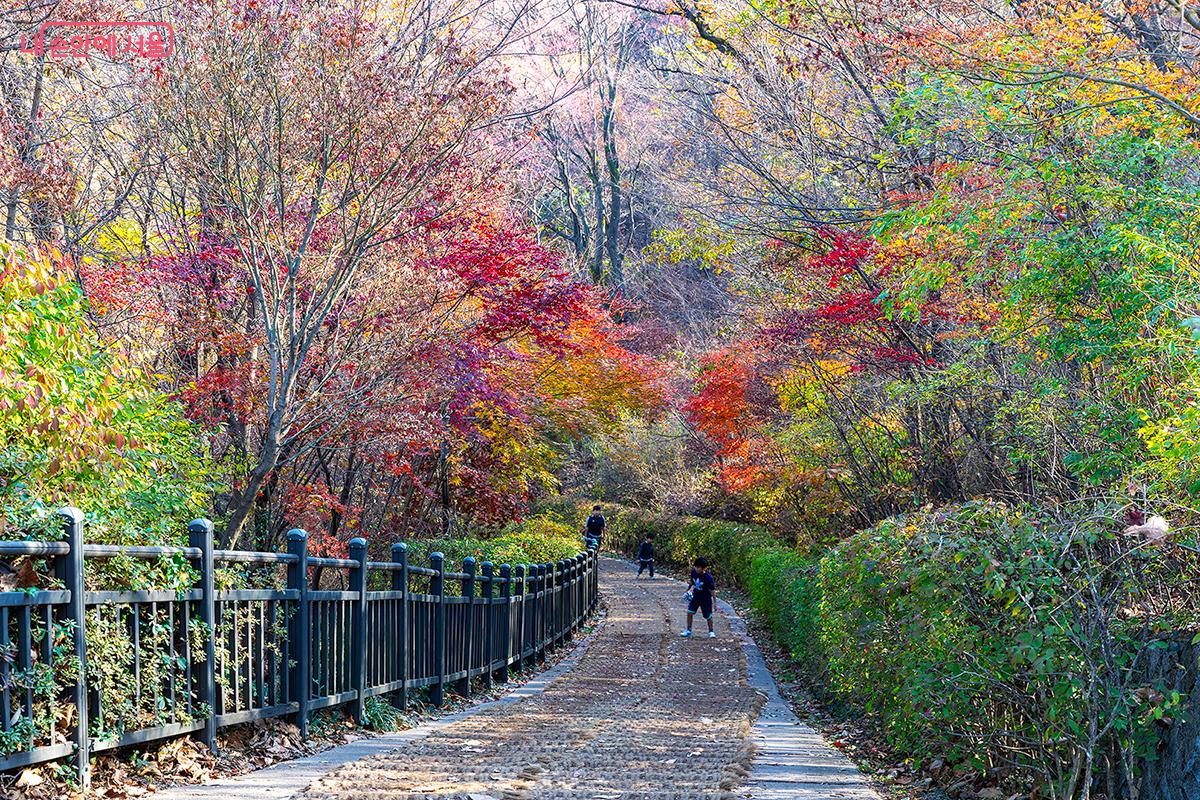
x: 642, y: 715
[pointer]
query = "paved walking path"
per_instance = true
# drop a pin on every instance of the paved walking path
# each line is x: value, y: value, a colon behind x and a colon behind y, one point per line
x: 639, y: 714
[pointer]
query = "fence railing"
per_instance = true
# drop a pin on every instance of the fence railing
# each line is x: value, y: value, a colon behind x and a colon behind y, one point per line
x: 196, y: 659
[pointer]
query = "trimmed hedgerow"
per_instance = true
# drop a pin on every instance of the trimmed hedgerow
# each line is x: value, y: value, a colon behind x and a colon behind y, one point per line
x: 785, y: 596
x: 540, y: 539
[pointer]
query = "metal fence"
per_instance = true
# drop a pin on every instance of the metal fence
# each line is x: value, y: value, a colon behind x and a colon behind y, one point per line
x: 201, y: 658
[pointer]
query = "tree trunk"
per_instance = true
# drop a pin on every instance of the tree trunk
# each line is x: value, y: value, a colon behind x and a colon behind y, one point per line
x: 28, y: 149
x: 243, y: 502
x: 612, y: 229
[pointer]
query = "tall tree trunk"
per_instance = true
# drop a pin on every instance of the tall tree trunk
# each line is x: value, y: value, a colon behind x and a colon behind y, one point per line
x: 28, y: 148
x: 612, y: 229
x: 241, y: 506
x: 598, y: 198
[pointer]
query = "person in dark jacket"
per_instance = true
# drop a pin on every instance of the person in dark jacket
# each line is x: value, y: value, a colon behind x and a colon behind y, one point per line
x: 701, y: 596
x: 595, y: 526
x: 645, y: 555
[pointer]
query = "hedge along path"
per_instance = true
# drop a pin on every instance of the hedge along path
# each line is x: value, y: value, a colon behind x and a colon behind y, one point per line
x: 644, y: 714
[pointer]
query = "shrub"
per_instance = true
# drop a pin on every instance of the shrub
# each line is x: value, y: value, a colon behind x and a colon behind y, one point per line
x: 540, y: 539
x: 1006, y: 638
x: 78, y: 425
x: 380, y: 715
x: 783, y: 593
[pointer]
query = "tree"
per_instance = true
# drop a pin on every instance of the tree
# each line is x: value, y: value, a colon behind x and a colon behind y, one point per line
x: 356, y: 138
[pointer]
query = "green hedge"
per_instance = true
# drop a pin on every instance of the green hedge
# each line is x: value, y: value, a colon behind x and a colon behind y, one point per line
x: 539, y: 539
x: 783, y: 593
x: 957, y: 624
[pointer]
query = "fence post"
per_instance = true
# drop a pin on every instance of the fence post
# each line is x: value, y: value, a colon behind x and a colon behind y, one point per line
x: 576, y: 594
x: 200, y: 535
x: 581, y: 591
x: 594, y: 583
x: 299, y: 644
x: 463, y: 687
x: 551, y: 594
x: 437, y: 588
x: 489, y: 622
x: 569, y: 599
x: 505, y: 622
x: 543, y: 584
x: 358, y: 628
x: 555, y: 580
x: 535, y: 590
x: 560, y: 605
x: 520, y: 579
x: 400, y: 584
x: 69, y: 570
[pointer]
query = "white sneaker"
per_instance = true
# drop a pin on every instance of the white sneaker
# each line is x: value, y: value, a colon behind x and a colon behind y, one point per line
x: 685, y: 634
x: 712, y: 634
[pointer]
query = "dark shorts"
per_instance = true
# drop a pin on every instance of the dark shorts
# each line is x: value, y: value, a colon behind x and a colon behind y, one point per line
x: 702, y: 603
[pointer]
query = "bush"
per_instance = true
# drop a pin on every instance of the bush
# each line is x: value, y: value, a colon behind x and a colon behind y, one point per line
x: 783, y: 593
x: 540, y: 539
x: 380, y: 715
x: 1012, y: 639
x: 78, y: 425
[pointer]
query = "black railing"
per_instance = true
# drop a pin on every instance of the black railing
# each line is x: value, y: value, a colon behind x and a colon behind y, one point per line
x: 200, y: 658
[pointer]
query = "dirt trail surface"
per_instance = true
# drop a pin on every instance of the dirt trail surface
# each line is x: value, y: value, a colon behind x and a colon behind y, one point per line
x: 643, y: 714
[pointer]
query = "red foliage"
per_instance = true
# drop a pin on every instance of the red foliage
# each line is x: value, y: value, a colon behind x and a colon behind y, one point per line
x: 455, y: 337
x: 731, y: 405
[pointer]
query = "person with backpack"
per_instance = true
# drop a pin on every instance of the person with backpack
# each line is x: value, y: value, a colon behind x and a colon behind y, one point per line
x: 595, y: 526
x: 645, y: 555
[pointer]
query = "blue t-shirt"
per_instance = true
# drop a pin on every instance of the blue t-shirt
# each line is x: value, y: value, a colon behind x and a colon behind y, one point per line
x: 703, y: 584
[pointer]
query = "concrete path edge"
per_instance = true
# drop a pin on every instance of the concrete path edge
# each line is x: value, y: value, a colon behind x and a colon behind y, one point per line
x: 791, y: 760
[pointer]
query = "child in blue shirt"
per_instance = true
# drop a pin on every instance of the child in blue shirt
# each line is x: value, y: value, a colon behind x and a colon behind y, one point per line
x: 701, y: 596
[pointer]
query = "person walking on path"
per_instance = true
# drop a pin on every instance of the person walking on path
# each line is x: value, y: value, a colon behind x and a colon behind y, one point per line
x: 596, y: 525
x: 645, y: 555
x: 701, y: 596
